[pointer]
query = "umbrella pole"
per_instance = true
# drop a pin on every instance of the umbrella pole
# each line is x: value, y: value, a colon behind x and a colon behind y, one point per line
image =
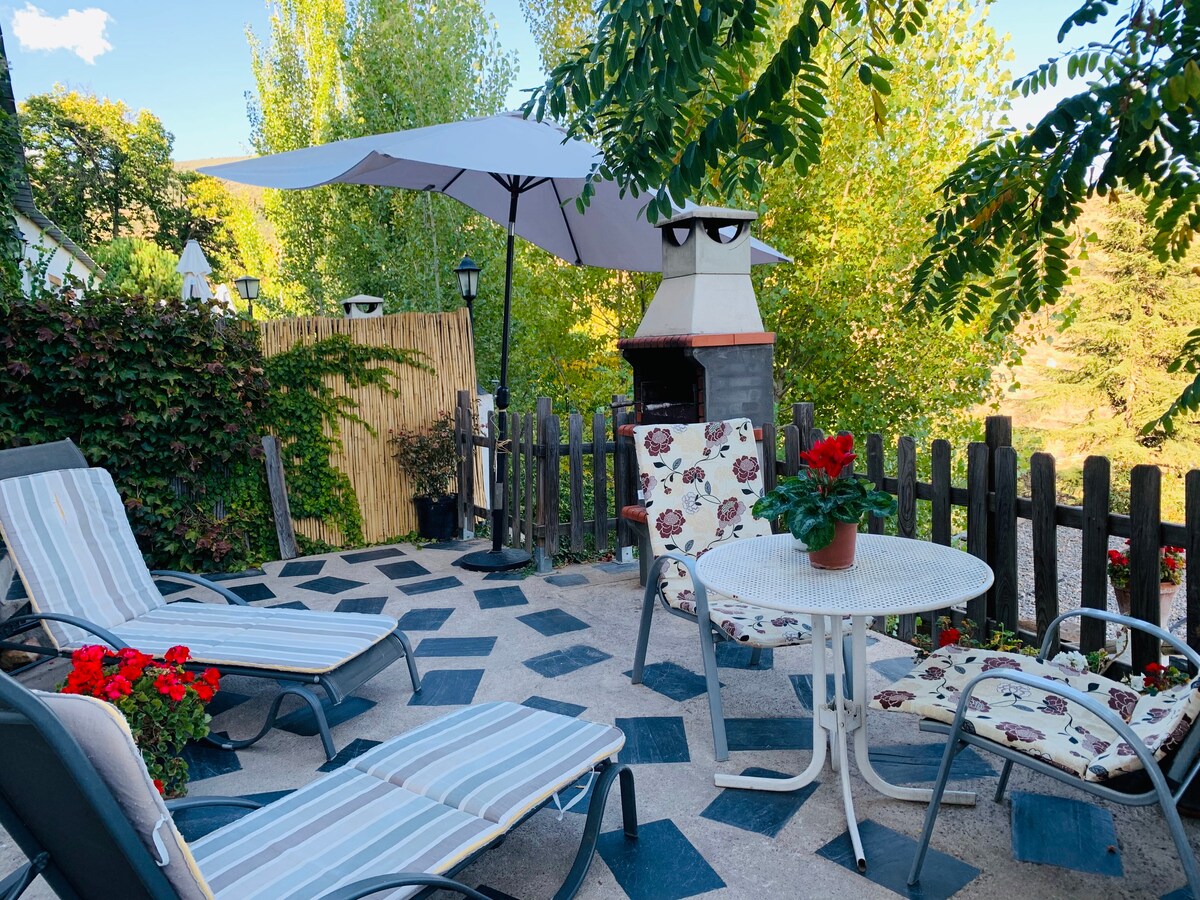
x: 499, y: 558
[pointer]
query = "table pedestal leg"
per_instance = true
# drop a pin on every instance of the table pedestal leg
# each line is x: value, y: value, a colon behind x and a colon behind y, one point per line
x: 821, y: 727
x: 841, y: 738
x: 858, y: 724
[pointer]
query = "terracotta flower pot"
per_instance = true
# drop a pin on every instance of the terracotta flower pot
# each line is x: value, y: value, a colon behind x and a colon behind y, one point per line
x: 1166, y: 599
x: 839, y: 554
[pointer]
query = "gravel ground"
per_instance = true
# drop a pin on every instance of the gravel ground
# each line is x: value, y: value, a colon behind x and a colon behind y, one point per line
x: 1070, y: 556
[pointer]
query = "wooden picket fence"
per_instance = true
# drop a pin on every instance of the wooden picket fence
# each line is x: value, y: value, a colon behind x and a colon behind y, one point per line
x: 549, y: 511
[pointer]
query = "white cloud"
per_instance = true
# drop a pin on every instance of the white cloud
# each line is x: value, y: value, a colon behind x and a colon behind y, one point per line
x: 79, y: 30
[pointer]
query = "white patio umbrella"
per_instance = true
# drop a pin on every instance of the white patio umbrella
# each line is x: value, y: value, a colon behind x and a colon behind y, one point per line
x: 193, y: 267
x: 515, y: 171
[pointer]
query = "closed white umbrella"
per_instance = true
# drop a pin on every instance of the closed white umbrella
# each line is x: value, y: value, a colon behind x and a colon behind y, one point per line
x: 193, y: 266
x: 497, y: 165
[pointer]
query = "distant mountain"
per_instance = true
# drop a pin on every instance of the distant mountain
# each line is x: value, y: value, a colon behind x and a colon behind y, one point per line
x: 242, y: 191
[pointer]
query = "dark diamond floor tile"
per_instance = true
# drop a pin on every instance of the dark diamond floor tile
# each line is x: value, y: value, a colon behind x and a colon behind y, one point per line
x: 1182, y: 893
x: 1064, y: 832
x: 617, y: 568
x: 517, y: 575
x: 894, y: 669
x: 495, y: 598
x: 552, y: 621
x: 554, y: 706
x: 234, y: 576
x: 672, y: 680
x: 763, y: 812
x: 889, y: 857
x: 301, y: 721
x: 404, y: 569
x: 769, y: 734
x: 371, y: 606
x: 732, y: 655
x: 16, y: 590
x: 351, y: 751
x: 456, y: 646
x: 569, y: 659
x: 918, y: 763
x: 305, y: 567
x: 451, y: 545
x: 571, y: 579
x: 166, y: 588
x: 802, y: 685
x: 224, y: 701
x: 653, y: 739
x: 207, y: 761
x: 433, y: 584
x: 194, y: 824
x: 371, y: 555
x: 253, y: 592
x: 661, y: 864
x: 447, y: 687
x: 429, y: 618
x: 291, y: 604
x: 331, y: 584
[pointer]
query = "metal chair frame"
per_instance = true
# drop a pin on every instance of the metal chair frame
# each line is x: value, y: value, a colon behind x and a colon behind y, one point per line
x: 1167, y: 786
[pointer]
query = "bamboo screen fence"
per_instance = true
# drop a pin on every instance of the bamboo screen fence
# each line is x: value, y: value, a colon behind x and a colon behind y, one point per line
x: 384, y: 492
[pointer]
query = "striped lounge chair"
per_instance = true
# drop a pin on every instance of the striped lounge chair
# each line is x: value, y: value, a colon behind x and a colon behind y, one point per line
x: 72, y: 546
x: 407, y: 815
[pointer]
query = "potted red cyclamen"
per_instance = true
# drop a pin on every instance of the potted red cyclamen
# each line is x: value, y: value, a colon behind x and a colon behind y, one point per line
x: 823, y: 505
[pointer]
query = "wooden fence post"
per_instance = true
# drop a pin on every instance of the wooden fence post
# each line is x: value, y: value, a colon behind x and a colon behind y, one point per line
x: 1044, y: 493
x: 1097, y: 487
x: 545, y: 499
x: 551, y: 458
x: 906, y: 512
x: 599, y: 482
x: 1145, y: 511
x: 465, y: 420
x: 977, y: 523
x: 277, y: 484
x: 770, y: 462
x: 791, y: 450
x: 997, y: 433
x: 802, y: 418
x: 575, y: 479
x: 1004, y: 537
x: 622, y: 479
x: 530, y: 491
x: 875, y: 476
x: 1192, y: 547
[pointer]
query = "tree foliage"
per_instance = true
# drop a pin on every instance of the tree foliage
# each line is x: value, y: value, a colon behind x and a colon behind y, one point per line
x: 135, y: 267
x: 98, y: 169
x: 12, y: 176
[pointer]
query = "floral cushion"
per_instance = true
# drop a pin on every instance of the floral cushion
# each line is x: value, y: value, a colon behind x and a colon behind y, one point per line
x: 1041, y: 724
x: 698, y: 483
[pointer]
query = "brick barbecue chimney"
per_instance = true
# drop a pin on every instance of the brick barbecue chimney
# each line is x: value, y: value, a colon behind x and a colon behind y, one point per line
x: 700, y: 353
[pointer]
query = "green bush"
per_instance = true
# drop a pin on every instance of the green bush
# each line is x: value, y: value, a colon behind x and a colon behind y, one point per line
x: 165, y: 395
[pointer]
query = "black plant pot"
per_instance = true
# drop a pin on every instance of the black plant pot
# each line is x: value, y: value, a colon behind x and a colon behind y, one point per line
x: 436, y: 517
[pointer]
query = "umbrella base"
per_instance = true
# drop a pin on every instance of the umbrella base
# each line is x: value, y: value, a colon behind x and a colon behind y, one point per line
x: 503, y: 560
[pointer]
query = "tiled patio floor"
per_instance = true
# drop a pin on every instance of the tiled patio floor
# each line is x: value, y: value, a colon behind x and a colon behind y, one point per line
x: 565, y: 642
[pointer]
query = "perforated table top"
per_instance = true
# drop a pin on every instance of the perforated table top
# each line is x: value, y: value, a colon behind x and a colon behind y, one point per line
x: 890, y: 576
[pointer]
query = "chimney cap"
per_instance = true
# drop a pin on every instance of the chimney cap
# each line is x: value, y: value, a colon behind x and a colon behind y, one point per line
x: 719, y: 213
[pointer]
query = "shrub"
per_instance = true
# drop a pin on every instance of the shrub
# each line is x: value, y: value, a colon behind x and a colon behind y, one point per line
x: 429, y: 456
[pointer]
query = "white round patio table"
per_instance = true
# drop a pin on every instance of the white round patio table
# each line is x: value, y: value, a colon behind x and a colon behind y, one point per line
x: 890, y: 576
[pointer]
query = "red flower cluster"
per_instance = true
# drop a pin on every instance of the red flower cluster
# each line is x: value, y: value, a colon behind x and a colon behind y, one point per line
x: 89, y: 675
x: 948, y: 636
x: 831, y: 455
x: 1170, y: 566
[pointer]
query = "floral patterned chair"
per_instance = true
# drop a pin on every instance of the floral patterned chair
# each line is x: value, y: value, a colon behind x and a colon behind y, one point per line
x: 698, y: 483
x: 1059, y: 719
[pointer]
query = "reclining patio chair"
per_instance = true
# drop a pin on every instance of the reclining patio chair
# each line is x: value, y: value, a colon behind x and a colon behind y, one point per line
x: 76, y: 798
x: 698, y: 483
x: 87, y: 582
x: 1082, y: 729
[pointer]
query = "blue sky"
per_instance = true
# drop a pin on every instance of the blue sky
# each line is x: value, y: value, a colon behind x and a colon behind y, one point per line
x: 189, y: 63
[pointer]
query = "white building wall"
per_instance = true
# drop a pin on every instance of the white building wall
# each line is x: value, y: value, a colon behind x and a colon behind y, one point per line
x: 61, y: 261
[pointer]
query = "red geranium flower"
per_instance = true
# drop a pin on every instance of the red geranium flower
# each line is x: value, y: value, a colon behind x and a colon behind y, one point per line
x: 177, y: 655
x: 949, y: 636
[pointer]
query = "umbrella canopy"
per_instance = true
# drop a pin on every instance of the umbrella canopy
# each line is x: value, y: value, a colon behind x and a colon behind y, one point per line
x: 476, y: 161
x: 193, y: 266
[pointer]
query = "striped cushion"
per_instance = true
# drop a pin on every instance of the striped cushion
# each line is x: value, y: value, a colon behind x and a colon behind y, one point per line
x: 495, y: 760
x: 345, y: 826
x: 73, y: 547
x: 289, y: 640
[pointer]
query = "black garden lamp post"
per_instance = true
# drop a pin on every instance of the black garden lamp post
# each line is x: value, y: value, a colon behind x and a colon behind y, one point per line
x: 468, y: 284
x: 247, y: 288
